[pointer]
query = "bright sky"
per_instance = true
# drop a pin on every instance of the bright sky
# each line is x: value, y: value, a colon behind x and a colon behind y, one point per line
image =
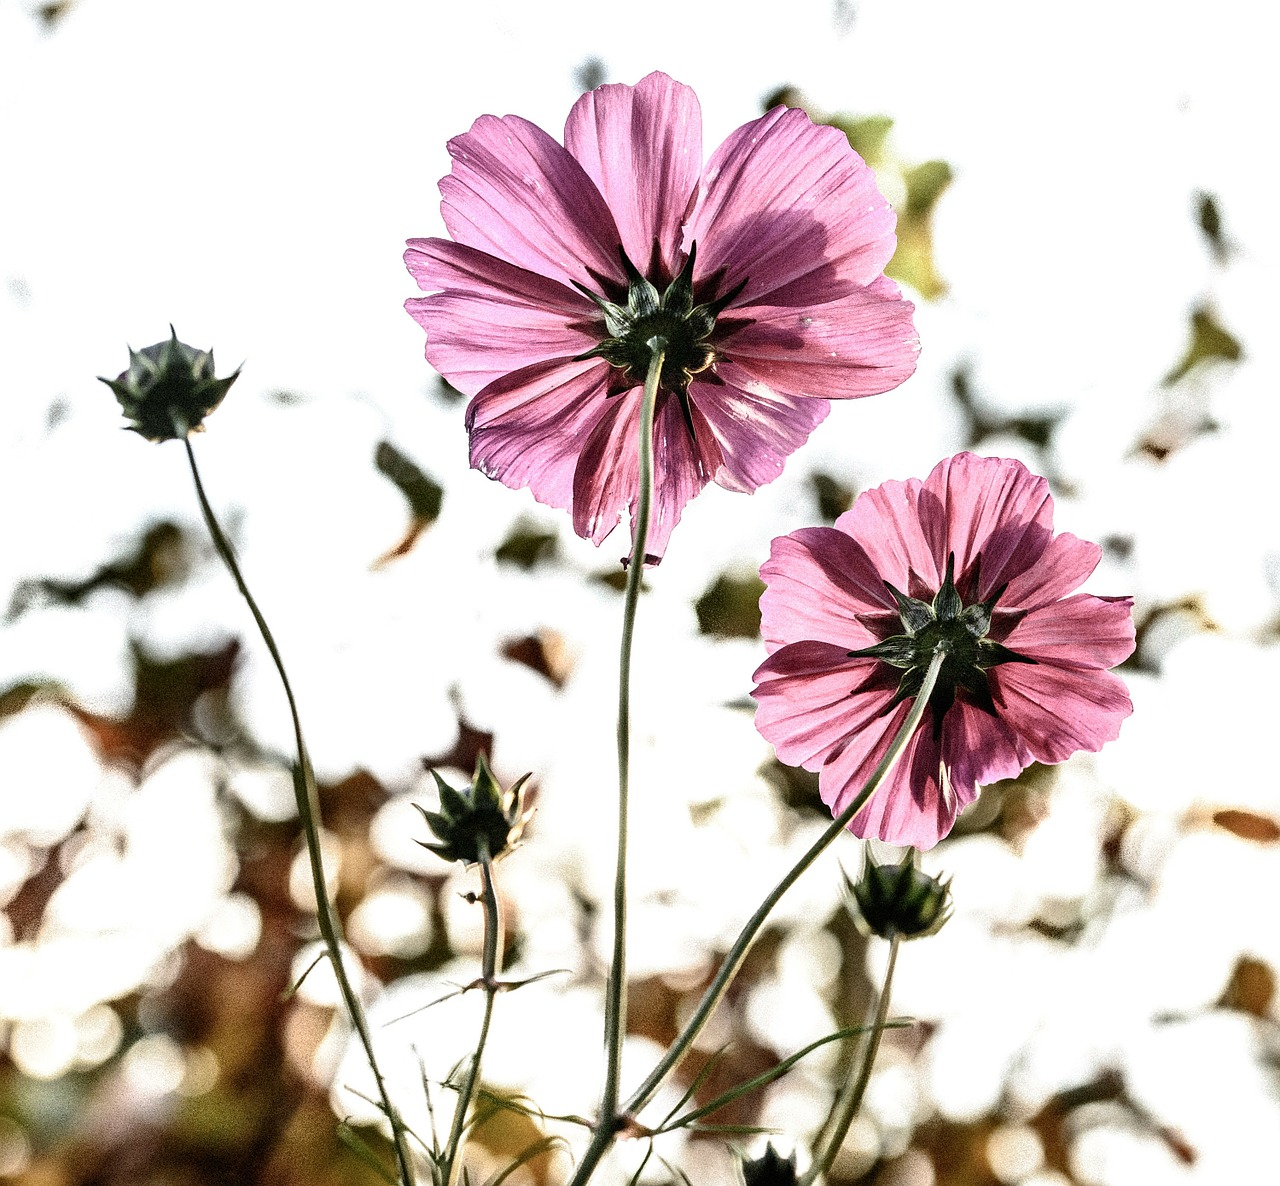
x: 250, y: 171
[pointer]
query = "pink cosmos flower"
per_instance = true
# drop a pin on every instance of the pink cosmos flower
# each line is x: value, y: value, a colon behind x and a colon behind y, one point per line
x: 763, y: 271
x: 853, y: 613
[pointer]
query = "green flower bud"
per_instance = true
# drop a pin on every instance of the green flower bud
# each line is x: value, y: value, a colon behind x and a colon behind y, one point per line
x: 770, y: 1169
x: 169, y: 389
x: 480, y: 822
x: 899, y: 900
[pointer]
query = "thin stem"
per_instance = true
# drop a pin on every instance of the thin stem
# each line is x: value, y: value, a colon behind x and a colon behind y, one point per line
x: 490, y: 969
x: 615, y: 1012
x: 733, y: 961
x: 850, y: 1098
x: 308, y: 799
x: 738, y: 952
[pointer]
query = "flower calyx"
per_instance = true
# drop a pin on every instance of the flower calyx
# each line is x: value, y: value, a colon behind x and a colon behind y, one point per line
x: 670, y: 321
x: 169, y: 389
x: 959, y: 631
x: 478, y: 823
x: 770, y: 1169
x: 899, y: 900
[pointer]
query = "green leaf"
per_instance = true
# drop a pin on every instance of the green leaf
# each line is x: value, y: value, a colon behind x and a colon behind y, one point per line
x: 424, y: 494
x: 730, y: 608
x: 1209, y: 340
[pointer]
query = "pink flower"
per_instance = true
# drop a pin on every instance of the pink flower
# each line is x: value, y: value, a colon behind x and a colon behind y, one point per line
x: 763, y: 270
x: 853, y: 613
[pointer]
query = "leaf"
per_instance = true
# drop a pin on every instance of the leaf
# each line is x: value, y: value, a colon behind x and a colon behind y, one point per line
x: 357, y: 1144
x: 527, y: 547
x: 424, y: 495
x: 1209, y: 341
x: 730, y: 608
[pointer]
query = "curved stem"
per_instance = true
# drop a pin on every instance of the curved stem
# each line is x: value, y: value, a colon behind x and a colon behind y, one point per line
x: 308, y: 799
x: 491, y: 967
x: 615, y: 1010
x: 738, y: 952
x: 850, y: 1098
x: 733, y: 961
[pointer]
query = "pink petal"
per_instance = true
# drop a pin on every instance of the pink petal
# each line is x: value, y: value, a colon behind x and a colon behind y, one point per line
x: 1057, y: 711
x: 819, y: 585
x: 492, y: 317
x: 979, y: 749
x: 885, y: 520
x: 782, y: 198
x: 861, y: 344
x: 756, y: 428
x: 989, y: 506
x: 607, y: 480
x: 517, y: 194
x: 1063, y: 566
x: 642, y: 146
x: 811, y: 697
x: 1082, y: 631
x: 527, y: 427
x: 914, y: 805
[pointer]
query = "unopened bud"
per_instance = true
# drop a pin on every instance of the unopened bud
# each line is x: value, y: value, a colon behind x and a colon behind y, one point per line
x: 169, y: 389
x: 770, y: 1169
x: 899, y: 900
x: 479, y: 822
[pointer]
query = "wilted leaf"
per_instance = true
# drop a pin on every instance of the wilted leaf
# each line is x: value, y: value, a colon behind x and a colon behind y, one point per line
x: 1248, y: 825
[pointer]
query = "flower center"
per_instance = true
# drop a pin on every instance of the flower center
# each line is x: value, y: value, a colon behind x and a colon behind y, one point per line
x: 948, y: 626
x: 670, y: 321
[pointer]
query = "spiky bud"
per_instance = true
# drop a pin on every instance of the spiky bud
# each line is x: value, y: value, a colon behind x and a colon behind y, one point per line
x: 169, y: 389
x: 770, y: 1169
x: 480, y: 822
x: 899, y: 900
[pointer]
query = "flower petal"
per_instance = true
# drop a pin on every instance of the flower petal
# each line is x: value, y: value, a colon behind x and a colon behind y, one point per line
x: 782, y: 198
x: 993, y: 507
x: 607, y: 480
x: 527, y: 427
x: 756, y: 428
x: 642, y: 146
x: 515, y: 193
x: 1082, y: 631
x: 819, y: 585
x: 811, y: 698
x: 1059, y: 710
x: 861, y: 344
x: 1063, y: 567
x: 916, y: 804
x: 885, y: 520
x: 492, y: 317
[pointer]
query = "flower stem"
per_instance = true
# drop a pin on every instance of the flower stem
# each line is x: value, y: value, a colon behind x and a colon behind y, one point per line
x: 850, y: 1098
x: 733, y: 961
x: 738, y: 952
x: 491, y: 966
x: 615, y: 1010
x: 308, y: 800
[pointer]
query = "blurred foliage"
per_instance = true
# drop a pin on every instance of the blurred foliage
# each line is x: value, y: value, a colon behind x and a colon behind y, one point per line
x: 1036, y: 428
x: 1209, y: 341
x: 159, y: 557
x: 730, y: 608
x: 424, y: 495
x: 527, y: 546
x: 832, y: 496
x: 1209, y: 219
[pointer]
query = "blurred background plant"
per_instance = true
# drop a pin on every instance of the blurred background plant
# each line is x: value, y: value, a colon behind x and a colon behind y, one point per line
x: 1086, y: 226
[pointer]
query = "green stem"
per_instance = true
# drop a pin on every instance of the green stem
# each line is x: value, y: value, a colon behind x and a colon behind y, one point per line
x: 309, y: 811
x: 733, y: 961
x: 737, y: 953
x: 491, y: 966
x: 850, y: 1098
x: 615, y: 1009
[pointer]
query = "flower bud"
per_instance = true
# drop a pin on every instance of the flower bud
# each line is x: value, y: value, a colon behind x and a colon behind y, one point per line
x: 899, y: 900
x: 169, y: 389
x: 480, y: 822
x: 770, y: 1169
